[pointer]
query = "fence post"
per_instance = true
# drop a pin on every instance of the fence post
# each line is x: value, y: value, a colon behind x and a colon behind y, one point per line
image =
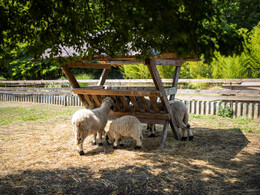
x: 256, y: 111
x: 250, y: 110
x: 245, y: 109
x: 234, y: 109
x: 239, y: 109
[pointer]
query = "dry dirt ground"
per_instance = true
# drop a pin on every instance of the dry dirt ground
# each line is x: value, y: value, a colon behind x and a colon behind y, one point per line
x: 38, y: 156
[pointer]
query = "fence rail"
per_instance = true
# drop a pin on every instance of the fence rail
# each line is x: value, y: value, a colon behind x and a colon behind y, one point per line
x: 251, y: 110
x: 131, y: 81
x: 243, y: 95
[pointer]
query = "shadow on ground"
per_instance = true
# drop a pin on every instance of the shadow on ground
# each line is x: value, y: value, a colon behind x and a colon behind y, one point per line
x: 214, y: 163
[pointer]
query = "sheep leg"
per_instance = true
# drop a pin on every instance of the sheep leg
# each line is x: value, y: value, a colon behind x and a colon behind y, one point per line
x: 152, y: 128
x: 100, y: 138
x: 116, y: 142
x: 121, y: 141
x: 184, y: 131
x: 79, y: 137
x: 138, y: 142
x: 94, y: 142
x: 189, y: 132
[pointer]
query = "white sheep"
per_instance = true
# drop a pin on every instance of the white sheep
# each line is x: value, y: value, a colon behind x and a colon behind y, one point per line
x: 126, y: 126
x: 86, y: 122
x: 181, y: 117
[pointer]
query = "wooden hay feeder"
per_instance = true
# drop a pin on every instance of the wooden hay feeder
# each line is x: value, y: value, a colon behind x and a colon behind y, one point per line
x: 148, y: 104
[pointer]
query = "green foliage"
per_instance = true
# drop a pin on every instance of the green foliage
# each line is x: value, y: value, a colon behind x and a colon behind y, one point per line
x: 246, y: 65
x: 135, y: 71
x: 196, y: 70
x: 225, y: 112
x: 101, y: 26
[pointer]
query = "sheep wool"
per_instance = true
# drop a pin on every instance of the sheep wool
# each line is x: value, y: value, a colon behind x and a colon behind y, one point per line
x: 86, y: 122
x: 126, y: 126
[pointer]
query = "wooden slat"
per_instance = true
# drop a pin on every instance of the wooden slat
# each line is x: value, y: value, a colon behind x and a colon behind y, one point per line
x: 141, y: 115
x: 134, y: 102
x: 96, y: 100
x: 125, y: 103
x: 154, y: 104
x: 89, y: 65
x: 117, y: 107
x: 143, y: 103
x: 116, y: 92
x: 90, y: 103
x: 168, y: 62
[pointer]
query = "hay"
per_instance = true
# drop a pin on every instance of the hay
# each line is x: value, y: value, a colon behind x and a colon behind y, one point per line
x: 40, y: 157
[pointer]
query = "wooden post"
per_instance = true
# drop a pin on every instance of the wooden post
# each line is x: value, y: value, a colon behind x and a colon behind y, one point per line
x: 159, y: 86
x: 164, y: 135
x: 73, y: 83
x: 103, y: 77
x: 175, y: 80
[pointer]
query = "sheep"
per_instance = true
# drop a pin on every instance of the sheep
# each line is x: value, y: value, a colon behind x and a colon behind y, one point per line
x: 86, y: 122
x: 123, y: 127
x: 181, y: 116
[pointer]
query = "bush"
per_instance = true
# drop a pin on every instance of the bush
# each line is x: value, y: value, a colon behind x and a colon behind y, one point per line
x: 225, y: 112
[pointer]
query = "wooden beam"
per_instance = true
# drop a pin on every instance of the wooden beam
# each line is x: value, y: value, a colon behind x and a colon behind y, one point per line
x: 103, y: 77
x: 168, y: 62
x: 141, y: 115
x: 89, y: 65
x: 158, y: 83
x: 164, y: 135
x: 134, y: 102
x: 115, y: 63
x: 154, y: 104
x: 73, y: 83
x: 175, y: 80
x: 116, y: 92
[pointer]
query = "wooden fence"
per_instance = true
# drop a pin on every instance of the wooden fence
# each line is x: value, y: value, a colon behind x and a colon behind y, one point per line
x: 251, y: 110
x: 241, y: 95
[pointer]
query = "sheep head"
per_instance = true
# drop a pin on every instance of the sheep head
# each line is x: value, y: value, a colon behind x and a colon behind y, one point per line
x: 110, y: 102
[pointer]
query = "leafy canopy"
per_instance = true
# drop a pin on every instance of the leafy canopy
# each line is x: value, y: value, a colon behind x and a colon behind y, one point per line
x: 116, y: 27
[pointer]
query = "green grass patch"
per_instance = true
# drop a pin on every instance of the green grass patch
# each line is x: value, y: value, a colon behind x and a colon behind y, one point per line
x: 194, y: 116
x: 10, y: 113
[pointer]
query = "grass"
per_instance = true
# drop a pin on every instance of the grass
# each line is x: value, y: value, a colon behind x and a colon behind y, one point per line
x: 38, y: 156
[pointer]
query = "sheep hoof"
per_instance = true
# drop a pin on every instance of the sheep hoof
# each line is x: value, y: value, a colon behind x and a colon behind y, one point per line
x: 115, y: 147
x: 121, y: 144
x: 152, y: 135
x: 93, y: 143
x: 190, y: 138
x: 138, y: 147
x: 183, y: 138
x: 100, y: 144
x: 81, y: 153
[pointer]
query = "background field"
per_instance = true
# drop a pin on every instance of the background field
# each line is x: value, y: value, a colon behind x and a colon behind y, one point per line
x: 37, y: 156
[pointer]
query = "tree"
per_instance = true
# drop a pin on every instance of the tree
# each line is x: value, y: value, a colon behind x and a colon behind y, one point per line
x: 246, y: 65
x: 115, y: 28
